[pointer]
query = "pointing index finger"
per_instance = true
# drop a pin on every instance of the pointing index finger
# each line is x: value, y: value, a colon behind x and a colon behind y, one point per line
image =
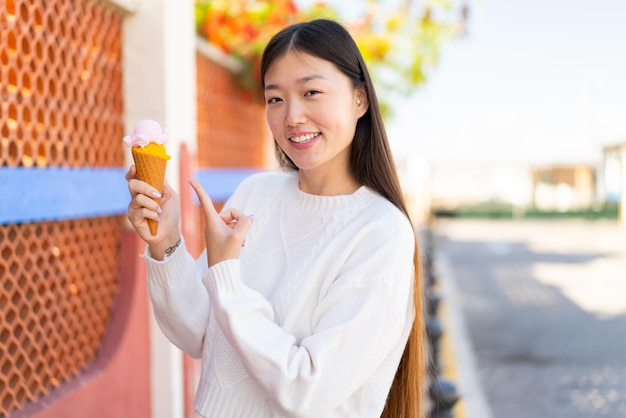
x: 205, y: 200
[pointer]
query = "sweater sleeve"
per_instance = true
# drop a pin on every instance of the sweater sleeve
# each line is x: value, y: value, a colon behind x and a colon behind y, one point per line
x: 362, y: 319
x: 180, y: 303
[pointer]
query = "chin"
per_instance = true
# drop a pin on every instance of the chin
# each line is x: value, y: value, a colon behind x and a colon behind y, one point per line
x: 306, y: 167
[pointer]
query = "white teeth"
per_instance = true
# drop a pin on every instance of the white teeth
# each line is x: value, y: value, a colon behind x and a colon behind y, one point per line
x: 303, y: 138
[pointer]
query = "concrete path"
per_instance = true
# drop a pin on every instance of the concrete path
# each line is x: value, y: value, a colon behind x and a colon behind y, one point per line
x: 537, y: 310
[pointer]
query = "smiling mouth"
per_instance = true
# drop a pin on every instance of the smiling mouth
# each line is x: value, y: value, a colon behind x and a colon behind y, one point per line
x: 304, y: 138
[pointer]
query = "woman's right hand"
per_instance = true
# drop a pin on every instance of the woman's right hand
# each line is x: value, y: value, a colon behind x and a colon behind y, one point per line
x: 224, y: 232
x: 142, y: 207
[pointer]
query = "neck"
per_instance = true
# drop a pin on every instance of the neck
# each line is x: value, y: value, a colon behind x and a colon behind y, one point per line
x: 327, y: 185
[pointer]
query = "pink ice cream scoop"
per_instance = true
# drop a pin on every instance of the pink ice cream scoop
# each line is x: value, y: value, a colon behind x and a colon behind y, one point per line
x: 145, y: 132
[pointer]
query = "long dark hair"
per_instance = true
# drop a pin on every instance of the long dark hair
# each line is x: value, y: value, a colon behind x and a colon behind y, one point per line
x: 372, y: 165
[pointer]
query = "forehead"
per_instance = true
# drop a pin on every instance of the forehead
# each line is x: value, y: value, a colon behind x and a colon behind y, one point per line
x: 296, y: 65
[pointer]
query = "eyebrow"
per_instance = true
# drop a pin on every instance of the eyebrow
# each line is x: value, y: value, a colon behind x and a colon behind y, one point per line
x: 300, y: 81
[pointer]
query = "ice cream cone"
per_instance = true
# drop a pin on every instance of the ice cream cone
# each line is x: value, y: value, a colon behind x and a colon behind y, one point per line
x: 148, y: 149
x: 151, y: 169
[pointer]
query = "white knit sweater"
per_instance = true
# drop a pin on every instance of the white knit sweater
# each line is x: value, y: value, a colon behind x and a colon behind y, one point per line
x: 310, y: 321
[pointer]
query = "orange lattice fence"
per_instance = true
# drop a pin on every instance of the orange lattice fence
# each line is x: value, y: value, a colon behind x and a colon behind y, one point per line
x: 232, y: 132
x: 60, y: 106
x: 231, y: 125
x: 58, y: 282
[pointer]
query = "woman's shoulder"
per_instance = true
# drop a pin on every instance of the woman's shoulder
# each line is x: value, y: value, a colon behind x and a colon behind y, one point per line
x: 384, y: 218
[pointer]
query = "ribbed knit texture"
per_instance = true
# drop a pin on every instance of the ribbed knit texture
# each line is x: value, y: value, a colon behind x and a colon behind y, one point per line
x: 310, y: 321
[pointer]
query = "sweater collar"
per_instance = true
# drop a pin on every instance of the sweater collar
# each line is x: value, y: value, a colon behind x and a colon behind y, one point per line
x: 362, y: 196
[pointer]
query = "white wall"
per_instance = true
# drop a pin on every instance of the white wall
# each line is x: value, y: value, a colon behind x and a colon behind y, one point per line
x: 159, y: 83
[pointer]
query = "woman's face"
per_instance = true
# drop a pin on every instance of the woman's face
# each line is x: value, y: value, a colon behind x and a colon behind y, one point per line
x: 312, y: 110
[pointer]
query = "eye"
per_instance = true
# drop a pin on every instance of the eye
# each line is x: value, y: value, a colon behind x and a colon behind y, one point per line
x: 312, y: 92
x: 274, y: 100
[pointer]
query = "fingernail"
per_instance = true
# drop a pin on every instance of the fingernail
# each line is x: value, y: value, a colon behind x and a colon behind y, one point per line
x: 156, y: 194
x: 159, y: 210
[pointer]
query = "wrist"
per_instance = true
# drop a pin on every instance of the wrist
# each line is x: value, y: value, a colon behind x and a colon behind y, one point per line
x: 170, y: 250
x: 165, y: 248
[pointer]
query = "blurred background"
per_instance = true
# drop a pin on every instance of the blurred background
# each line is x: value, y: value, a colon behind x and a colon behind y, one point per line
x: 527, y: 106
x: 506, y: 120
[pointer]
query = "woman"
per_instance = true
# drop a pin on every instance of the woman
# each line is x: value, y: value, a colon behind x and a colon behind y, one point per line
x: 308, y: 291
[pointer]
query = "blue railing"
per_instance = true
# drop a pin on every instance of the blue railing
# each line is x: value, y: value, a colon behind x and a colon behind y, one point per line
x: 49, y: 194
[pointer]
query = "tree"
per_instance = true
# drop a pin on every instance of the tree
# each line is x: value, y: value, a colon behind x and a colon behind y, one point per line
x: 399, y: 44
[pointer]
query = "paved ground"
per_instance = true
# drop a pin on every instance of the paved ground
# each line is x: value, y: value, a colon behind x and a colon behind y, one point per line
x: 543, y: 312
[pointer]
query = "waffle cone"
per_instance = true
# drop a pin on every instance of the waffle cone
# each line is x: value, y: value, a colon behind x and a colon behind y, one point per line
x: 151, y: 169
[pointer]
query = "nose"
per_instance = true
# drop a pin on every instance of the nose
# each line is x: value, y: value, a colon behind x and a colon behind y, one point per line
x: 295, y: 114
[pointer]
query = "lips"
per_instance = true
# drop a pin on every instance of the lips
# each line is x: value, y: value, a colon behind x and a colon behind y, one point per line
x: 301, y: 139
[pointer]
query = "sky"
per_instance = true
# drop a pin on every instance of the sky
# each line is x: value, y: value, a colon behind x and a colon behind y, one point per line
x: 534, y: 82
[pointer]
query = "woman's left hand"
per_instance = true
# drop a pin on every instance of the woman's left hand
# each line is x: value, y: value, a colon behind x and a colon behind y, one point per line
x: 225, y: 232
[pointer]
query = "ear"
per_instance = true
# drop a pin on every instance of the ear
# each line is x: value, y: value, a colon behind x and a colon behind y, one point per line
x: 362, y: 103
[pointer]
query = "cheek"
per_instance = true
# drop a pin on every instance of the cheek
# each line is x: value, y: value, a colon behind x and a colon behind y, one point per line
x: 272, y: 122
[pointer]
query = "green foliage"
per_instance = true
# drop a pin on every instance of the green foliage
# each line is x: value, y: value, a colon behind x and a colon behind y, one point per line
x: 504, y: 210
